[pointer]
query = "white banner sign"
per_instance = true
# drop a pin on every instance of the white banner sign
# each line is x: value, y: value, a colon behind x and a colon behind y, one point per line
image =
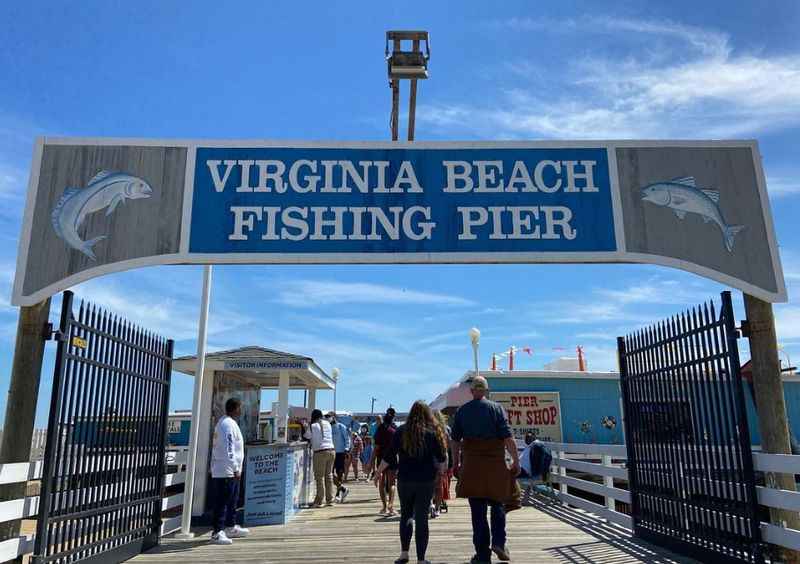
x: 532, y: 412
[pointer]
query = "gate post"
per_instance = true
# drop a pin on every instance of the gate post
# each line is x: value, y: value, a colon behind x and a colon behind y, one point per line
x: 23, y: 393
x: 770, y: 404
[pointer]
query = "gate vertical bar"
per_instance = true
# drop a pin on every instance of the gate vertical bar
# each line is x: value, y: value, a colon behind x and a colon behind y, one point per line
x: 741, y: 420
x: 165, y: 390
x: 626, y: 422
x: 53, y: 431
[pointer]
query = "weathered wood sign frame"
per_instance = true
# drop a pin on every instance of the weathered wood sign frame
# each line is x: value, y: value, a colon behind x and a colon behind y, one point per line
x: 97, y: 206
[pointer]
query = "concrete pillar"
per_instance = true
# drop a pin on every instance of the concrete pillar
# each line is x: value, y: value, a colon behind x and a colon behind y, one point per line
x: 282, y: 418
x: 312, y: 399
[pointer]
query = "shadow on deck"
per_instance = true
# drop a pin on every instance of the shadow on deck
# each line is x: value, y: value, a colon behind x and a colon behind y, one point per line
x: 542, y: 531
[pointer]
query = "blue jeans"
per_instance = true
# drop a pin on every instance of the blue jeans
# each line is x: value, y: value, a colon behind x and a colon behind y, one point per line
x: 226, y: 498
x: 480, y: 527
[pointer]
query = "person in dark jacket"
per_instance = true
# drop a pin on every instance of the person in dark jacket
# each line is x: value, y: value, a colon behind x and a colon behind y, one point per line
x: 481, y: 438
x: 383, y: 440
x: 418, y: 452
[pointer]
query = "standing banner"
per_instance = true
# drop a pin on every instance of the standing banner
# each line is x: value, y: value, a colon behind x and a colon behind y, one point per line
x: 532, y: 412
x: 97, y: 206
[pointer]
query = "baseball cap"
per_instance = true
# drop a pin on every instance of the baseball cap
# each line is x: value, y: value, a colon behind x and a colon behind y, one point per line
x: 479, y: 383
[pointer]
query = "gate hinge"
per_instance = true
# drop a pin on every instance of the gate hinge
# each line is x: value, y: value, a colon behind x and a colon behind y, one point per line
x: 51, y: 334
x: 749, y: 328
x: 745, y: 328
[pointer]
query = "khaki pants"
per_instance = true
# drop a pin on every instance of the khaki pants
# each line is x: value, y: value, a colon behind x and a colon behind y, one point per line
x: 323, y: 475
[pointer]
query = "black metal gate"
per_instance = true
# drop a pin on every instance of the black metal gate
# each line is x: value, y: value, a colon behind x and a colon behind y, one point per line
x: 102, y: 480
x: 690, y: 463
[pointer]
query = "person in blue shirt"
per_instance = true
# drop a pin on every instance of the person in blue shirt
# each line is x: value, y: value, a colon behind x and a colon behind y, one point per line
x: 341, y: 444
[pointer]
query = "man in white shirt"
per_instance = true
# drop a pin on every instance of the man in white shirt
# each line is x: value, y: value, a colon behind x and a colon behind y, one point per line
x: 227, y: 456
x: 321, y: 436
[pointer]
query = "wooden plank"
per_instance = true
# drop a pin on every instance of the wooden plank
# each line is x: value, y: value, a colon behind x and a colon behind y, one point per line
x: 170, y: 525
x: 784, y: 463
x: 172, y: 501
x: 19, y: 508
x: 593, y: 487
x: 20, y: 472
x: 174, y: 479
x: 11, y: 548
x: 782, y: 499
x: 787, y: 538
x: 592, y: 468
x: 615, y: 451
x: 354, y: 531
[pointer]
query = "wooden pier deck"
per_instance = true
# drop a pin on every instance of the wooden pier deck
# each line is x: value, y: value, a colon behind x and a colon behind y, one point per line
x: 354, y: 532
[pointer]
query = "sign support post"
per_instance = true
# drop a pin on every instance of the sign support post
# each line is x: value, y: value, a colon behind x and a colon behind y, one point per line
x: 770, y: 405
x: 191, y: 470
x: 23, y: 393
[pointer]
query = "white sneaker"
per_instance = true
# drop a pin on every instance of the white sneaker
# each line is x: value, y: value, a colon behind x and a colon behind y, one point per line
x: 345, y: 491
x: 220, y: 538
x: 237, y: 532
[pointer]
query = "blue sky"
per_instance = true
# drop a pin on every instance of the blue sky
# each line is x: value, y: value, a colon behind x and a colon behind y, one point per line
x: 511, y: 70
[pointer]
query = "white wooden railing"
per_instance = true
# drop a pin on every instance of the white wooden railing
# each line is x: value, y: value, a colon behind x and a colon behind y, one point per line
x: 28, y: 507
x: 573, y: 457
x: 38, y: 441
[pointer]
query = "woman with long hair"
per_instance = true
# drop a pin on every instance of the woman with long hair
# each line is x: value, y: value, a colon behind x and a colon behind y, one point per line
x: 418, y: 450
x: 442, y: 493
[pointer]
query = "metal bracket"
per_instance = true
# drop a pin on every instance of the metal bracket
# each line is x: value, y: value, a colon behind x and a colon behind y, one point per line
x: 50, y: 334
x: 749, y: 328
x: 745, y: 328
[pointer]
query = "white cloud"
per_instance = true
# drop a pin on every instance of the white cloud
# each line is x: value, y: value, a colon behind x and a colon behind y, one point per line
x: 361, y: 327
x: 601, y: 359
x: 446, y: 336
x: 787, y: 322
x: 13, y: 184
x: 312, y: 293
x: 685, y: 82
x: 169, y: 316
x: 636, y: 304
x: 597, y: 336
x: 654, y: 291
x: 779, y: 186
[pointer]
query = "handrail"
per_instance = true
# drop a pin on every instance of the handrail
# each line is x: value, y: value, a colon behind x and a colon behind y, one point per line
x: 562, y: 461
x: 28, y: 507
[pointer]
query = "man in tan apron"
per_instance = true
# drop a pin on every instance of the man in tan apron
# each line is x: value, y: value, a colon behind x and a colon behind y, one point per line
x: 481, y: 438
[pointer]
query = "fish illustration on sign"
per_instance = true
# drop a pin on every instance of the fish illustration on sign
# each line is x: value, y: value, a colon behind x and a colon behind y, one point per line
x: 106, y: 191
x: 683, y: 196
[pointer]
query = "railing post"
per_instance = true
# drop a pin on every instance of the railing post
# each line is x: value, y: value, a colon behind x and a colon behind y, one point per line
x: 608, y: 481
x: 562, y: 471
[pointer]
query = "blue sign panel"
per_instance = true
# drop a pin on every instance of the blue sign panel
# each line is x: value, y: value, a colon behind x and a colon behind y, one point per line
x: 265, y: 485
x: 373, y: 200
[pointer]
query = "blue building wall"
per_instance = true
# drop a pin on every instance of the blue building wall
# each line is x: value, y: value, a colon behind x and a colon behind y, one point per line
x: 585, y: 403
x: 791, y: 394
x: 182, y: 438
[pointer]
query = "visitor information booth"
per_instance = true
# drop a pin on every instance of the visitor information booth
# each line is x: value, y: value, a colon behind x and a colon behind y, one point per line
x: 277, y: 473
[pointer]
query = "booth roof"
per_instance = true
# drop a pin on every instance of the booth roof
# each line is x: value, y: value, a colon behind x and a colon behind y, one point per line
x: 249, y: 353
x: 262, y: 365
